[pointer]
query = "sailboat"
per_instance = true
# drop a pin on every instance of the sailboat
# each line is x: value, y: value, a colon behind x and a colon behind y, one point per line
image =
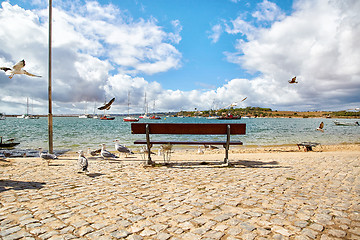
x: 146, y: 109
x: 130, y: 118
x: 85, y: 115
x: 27, y: 115
x: 154, y: 115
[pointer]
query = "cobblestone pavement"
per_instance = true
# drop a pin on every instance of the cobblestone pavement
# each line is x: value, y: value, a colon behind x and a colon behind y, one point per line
x: 264, y: 196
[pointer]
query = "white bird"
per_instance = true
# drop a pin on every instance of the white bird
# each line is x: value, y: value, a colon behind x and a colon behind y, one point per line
x: 83, y: 162
x: 17, y: 69
x: 166, y: 150
x: 122, y: 149
x: 105, y: 153
x: 144, y: 151
x: 47, y: 156
x: 200, y: 151
x: 320, y: 128
x: 211, y: 147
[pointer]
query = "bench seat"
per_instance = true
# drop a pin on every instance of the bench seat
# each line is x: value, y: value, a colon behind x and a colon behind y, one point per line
x: 189, y: 143
x: 226, y: 129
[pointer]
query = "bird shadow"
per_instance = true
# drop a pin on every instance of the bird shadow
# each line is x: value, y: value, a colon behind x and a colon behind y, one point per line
x: 221, y: 164
x: 94, y: 175
x: 6, y: 185
x: 56, y: 164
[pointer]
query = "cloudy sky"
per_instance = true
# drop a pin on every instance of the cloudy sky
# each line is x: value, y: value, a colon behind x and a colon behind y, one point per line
x: 183, y: 54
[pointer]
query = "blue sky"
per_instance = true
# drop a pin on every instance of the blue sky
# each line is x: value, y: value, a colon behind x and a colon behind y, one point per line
x: 183, y: 54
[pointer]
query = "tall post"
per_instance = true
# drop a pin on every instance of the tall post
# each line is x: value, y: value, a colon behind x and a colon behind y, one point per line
x: 50, y: 117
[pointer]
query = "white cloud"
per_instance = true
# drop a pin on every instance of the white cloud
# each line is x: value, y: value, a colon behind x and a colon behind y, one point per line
x: 268, y: 11
x: 94, y: 59
x: 317, y: 43
x: 216, y: 33
x: 89, y: 46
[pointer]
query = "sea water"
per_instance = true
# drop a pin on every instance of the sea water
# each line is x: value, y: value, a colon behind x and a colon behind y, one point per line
x: 76, y: 133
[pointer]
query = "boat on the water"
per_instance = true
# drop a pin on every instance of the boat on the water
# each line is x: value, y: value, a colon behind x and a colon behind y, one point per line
x: 85, y: 116
x: 346, y: 123
x: 8, y: 143
x: 229, y: 117
x: 130, y: 119
x: 27, y: 115
x: 154, y: 117
x: 106, y: 117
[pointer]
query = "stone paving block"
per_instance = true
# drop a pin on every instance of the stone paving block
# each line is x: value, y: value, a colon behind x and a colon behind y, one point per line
x: 9, y: 231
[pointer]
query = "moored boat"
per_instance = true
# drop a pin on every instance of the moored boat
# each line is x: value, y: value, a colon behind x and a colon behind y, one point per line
x: 8, y: 143
x: 106, y: 117
x: 154, y: 117
x: 229, y: 117
x: 346, y: 123
x: 130, y: 119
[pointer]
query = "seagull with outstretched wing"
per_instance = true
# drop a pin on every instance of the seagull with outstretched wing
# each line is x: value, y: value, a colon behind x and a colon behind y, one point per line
x: 17, y: 69
x: 107, y: 105
x: 293, y: 80
x: 320, y: 128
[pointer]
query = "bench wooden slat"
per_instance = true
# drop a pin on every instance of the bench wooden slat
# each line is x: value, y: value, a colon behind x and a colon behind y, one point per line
x: 189, y: 143
x: 189, y: 128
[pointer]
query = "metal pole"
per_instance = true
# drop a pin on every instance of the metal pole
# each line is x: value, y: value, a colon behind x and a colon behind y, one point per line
x: 50, y: 117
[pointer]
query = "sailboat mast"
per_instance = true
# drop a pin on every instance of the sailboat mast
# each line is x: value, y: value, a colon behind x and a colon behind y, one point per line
x: 128, y: 103
x: 27, y: 106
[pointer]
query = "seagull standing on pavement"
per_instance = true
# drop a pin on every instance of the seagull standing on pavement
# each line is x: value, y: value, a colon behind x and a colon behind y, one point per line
x: 94, y: 152
x: 83, y: 162
x: 105, y: 153
x: 122, y: 149
x: 47, y: 156
x: 17, y: 69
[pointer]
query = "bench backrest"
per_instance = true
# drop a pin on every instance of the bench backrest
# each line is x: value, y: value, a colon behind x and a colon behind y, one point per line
x: 189, y: 128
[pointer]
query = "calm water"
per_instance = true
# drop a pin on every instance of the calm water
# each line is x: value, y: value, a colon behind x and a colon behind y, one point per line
x: 75, y: 133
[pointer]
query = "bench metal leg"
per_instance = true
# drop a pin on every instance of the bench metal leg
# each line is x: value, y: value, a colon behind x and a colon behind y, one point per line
x: 149, y: 162
x: 227, y: 145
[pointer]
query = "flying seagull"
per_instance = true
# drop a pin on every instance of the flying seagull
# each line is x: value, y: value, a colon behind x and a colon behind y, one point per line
x: 243, y: 99
x: 320, y: 128
x: 107, y: 105
x: 17, y: 69
x: 83, y: 162
x: 293, y: 80
x: 105, y: 153
x: 122, y: 149
x: 47, y: 156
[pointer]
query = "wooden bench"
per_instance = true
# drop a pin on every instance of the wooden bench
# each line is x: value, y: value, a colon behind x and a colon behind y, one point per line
x: 189, y: 128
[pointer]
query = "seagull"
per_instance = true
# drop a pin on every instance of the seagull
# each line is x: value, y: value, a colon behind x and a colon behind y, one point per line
x: 105, y: 153
x: 145, y: 151
x: 47, y: 156
x: 320, y: 128
x: 83, y: 162
x: 94, y: 152
x: 200, y: 151
x: 293, y: 80
x: 107, y: 106
x: 243, y: 99
x: 17, y: 69
x: 211, y: 147
x: 166, y: 149
x: 121, y: 148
